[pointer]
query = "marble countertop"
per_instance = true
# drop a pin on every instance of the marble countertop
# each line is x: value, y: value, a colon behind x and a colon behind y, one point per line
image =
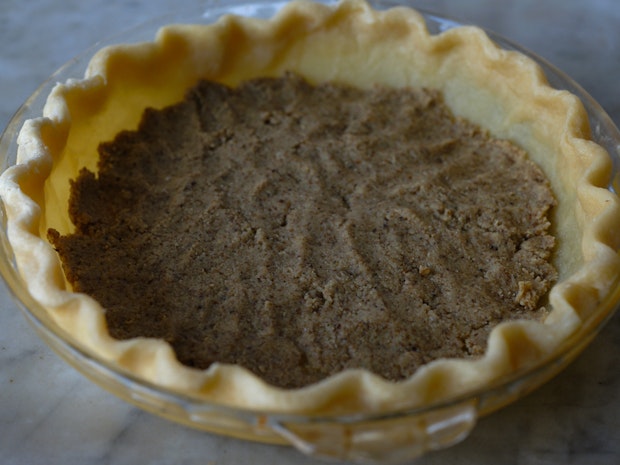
x: 50, y: 414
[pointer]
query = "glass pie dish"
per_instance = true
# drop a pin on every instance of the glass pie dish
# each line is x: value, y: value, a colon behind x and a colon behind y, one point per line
x: 387, y: 436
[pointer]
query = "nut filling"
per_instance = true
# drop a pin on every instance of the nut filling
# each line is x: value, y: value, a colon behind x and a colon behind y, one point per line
x: 300, y: 230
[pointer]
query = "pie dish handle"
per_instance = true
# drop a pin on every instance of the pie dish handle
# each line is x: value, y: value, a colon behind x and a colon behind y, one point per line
x: 394, y: 438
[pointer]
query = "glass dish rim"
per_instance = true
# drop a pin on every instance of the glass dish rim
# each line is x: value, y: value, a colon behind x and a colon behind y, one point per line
x: 589, y: 329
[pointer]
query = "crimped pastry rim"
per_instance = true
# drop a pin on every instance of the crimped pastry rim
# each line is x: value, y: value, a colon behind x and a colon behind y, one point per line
x: 512, y: 346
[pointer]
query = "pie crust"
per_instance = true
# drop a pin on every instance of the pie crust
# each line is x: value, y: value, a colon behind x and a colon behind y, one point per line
x: 502, y: 91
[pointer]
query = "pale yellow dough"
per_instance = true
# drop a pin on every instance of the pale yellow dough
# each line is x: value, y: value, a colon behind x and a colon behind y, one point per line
x: 502, y: 91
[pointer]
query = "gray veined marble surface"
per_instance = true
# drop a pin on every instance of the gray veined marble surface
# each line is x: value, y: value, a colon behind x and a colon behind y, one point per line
x: 50, y: 414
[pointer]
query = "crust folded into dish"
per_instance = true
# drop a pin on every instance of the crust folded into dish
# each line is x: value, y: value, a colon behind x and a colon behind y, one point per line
x: 502, y: 91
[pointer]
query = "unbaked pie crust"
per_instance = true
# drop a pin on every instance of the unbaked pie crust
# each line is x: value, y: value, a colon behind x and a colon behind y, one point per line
x: 502, y: 91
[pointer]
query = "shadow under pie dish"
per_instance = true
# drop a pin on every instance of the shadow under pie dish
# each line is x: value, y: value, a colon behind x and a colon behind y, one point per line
x: 502, y: 92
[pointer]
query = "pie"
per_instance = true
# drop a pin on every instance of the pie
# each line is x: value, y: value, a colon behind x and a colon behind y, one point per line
x: 346, y: 46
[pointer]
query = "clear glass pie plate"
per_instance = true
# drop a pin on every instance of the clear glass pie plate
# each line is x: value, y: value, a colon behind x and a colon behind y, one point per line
x: 387, y: 437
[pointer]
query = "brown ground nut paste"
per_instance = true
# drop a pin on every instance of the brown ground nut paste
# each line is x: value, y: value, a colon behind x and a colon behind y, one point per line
x: 300, y: 230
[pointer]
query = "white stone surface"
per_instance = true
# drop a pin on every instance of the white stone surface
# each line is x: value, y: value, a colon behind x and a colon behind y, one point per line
x: 50, y: 414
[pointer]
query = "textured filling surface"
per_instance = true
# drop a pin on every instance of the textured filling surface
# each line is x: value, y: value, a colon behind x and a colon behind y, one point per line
x: 299, y: 230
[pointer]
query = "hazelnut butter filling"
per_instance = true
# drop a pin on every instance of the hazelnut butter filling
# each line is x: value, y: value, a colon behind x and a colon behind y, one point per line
x: 299, y: 230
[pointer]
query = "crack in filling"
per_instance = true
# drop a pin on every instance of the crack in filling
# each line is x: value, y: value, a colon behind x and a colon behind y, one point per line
x: 300, y: 230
